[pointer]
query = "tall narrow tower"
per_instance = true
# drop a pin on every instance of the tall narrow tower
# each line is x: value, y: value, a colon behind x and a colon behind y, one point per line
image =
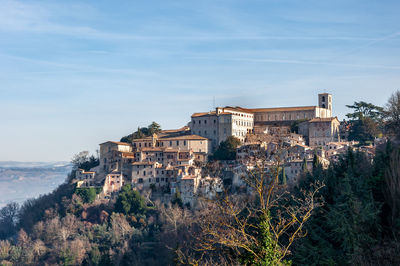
x: 325, y: 101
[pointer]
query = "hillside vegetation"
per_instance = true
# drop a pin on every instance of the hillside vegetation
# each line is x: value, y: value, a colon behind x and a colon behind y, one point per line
x: 348, y: 214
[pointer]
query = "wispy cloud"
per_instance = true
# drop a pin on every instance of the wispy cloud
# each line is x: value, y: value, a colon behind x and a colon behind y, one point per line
x: 297, y: 62
x: 16, y: 16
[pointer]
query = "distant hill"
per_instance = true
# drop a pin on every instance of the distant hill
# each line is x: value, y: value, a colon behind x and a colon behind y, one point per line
x: 22, y: 180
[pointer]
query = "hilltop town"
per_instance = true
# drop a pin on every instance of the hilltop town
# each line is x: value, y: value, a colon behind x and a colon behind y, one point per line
x: 235, y: 186
x: 171, y: 162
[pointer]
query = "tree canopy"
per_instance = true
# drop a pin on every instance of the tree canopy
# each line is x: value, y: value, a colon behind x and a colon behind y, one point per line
x: 130, y: 201
x: 392, y: 114
x: 84, y: 161
x: 142, y: 132
x: 365, y: 121
x: 227, y: 149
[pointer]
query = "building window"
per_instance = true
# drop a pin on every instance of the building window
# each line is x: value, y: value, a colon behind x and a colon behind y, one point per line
x: 177, y: 143
x: 184, y: 142
x: 205, y: 121
x: 170, y: 143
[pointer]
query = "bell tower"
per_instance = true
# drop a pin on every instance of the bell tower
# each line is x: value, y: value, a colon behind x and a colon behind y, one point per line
x: 325, y: 101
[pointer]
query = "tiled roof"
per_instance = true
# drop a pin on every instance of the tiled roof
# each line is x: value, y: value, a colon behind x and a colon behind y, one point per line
x: 238, y: 109
x: 144, y: 163
x: 155, y: 149
x: 168, y: 131
x: 168, y: 137
x: 189, y: 177
x: 325, y: 119
x: 184, y: 137
x: 117, y: 142
x: 86, y: 172
x: 281, y: 109
x: 203, y: 114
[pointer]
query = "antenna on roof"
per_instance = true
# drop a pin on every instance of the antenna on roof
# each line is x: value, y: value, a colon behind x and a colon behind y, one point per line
x: 213, y: 102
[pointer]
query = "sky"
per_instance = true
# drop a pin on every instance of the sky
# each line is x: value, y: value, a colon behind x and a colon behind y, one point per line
x: 74, y: 74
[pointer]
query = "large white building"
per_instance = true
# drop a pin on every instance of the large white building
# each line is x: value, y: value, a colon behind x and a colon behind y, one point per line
x: 218, y: 125
x: 238, y: 122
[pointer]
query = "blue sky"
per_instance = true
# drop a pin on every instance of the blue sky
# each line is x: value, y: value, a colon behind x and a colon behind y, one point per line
x: 74, y: 74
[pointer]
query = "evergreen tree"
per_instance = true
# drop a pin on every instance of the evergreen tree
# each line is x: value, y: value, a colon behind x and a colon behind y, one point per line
x: 227, y: 149
x: 348, y: 224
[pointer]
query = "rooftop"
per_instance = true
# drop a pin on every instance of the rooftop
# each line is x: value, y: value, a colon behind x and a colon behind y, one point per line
x: 168, y: 137
x: 203, y: 114
x: 281, y: 109
x: 116, y: 142
x: 319, y: 119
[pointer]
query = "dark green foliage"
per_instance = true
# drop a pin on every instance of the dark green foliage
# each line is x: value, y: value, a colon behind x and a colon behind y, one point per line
x: 142, y: 132
x: 83, y: 161
x: 316, y: 163
x: 130, y: 201
x: 365, y: 121
x: 88, y: 195
x: 153, y: 128
x: 294, y: 127
x: 177, y: 199
x: 267, y: 250
x: 8, y: 220
x: 227, y: 149
x: 95, y: 256
x: 348, y: 224
x: 363, y: 109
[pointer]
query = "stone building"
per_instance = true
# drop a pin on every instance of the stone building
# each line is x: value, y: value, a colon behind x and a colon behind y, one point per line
x: 195, y: 143
x: 112, y: 154
x: 287, y: 115
x: 238, y: 122
x: 218, y: 125
x: 322, y: 131
x: 113, y: 183
x: 84, y: 178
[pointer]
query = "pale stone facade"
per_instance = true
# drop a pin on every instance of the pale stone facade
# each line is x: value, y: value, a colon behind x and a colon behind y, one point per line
x: 193, y: 186
x: 218, y: 125
x: 290, y: 114
x: 323, y: 131
x: 113, y: 183
x: 146, y: 173
x: 194, y: 143
x: 113, y: 154
x: 84, y: 178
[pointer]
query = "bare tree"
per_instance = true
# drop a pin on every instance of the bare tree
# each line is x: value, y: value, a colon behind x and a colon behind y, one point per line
x: 258, y: 227
x: 392, y: 114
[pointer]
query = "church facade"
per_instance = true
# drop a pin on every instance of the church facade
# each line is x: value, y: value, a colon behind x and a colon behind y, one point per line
x: 237, y: 121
